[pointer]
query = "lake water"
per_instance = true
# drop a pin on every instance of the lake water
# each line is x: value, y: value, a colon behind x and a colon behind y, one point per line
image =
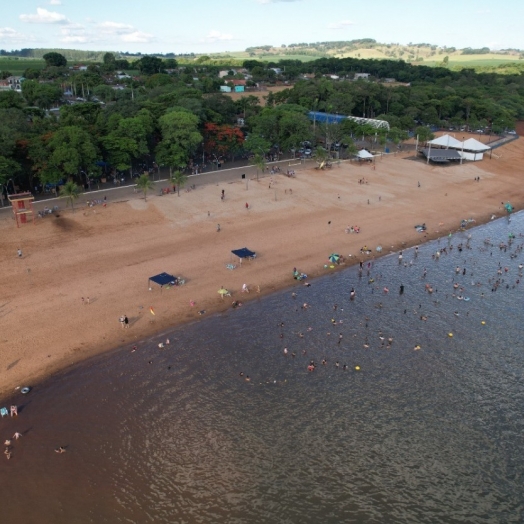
x: 176, y: 435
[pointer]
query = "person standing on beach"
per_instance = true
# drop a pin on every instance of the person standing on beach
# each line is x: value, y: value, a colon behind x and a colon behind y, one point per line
x: 126, y: 321
x: 19, y: 253
x: 121, y: 320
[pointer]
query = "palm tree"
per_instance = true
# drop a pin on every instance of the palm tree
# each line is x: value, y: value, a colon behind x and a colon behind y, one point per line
x: 70, y: 191
x: 178, y: 179
x: 144, y: 184
x: 260, y: 162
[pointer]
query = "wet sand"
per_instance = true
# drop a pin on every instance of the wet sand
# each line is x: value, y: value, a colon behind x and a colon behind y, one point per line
x: 107, y: 254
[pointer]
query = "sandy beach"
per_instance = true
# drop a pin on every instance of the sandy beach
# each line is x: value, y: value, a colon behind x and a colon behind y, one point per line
x: 107, y: 254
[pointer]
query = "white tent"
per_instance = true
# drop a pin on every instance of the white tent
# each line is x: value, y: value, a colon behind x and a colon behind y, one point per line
x: 446, y: 141
x: 364, y: 154
x: 474, y: 145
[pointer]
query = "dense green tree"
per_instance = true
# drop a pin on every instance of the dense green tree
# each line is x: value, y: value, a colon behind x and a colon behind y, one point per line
x: 220, y: 109
x: 104, y: 92
x: 11, y: 99
x: 8, y: 168
x: 55, y: 59
x: 71, y: 150
x: 159, y: 79
x: 84, y: 115
x: 150, y: 65
x: 128, y: 140
x: 32, y: 74
x: 180, y: 138
x: 41, y: 95
x: 170, y: 63
x: 257, y: 144
x: 13, y: 126
x: 109, y: 60
x: 123, y: 64
x: 248, y: 106
x: 424, y: 134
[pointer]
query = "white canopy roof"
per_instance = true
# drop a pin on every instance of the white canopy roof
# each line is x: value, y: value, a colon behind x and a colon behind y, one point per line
x: 364, y: 154
x: 446, y: 141
x: 474, y: 145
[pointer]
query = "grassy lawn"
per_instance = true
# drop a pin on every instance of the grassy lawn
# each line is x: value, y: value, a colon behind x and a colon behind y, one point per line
x: 18, y: 65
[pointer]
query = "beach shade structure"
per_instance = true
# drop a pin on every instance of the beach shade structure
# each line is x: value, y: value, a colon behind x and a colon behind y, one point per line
x: 334, y: 258
x: 163, y: 279
x: 379, y: 248
x: 442, y: 156
x: 508, y: 207
x: 363, y: 154
x: 446, y: 141
x: 244, y: 253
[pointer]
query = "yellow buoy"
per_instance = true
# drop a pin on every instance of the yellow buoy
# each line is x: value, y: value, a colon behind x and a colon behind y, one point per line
x: 416, y: 348
x: 483, y: 322
x: 450, y: 334
x: 357, y: 368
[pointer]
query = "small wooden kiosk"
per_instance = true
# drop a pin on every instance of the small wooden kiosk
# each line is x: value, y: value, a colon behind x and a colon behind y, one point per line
x: 22, y: 207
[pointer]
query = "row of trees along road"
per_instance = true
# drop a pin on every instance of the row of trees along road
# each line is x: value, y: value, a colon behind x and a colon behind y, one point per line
x: 177, y: 119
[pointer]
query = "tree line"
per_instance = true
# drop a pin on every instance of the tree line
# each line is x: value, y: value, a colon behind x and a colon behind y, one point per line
x: 174, y: 116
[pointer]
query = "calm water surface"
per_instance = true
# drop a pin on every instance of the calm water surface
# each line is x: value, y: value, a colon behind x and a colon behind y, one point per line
x: 177, y: 436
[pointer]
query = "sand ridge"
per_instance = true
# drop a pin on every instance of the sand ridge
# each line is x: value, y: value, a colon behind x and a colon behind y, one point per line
x: 109, y: 253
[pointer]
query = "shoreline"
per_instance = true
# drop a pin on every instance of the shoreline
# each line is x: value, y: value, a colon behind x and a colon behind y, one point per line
x: 45, y: 292
x: 98, y: 352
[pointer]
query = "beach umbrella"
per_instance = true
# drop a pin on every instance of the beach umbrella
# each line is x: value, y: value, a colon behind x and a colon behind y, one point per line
x: 223, y: 291
x: 379, y: 248
x: 334, y: 257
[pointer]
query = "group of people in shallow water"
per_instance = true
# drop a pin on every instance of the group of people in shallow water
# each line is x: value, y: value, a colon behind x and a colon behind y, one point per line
x: 462, y: 272
x: 9, y: 442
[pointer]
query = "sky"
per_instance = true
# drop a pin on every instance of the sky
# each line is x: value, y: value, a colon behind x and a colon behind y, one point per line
x: 208, y: 26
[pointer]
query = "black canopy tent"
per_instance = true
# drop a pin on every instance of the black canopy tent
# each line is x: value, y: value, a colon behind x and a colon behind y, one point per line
x: 163, y: 279
x: 441, y: 156
x: 244, y: 253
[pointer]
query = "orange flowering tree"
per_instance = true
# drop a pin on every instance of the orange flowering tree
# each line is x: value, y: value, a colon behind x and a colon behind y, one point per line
x: 222, y: 139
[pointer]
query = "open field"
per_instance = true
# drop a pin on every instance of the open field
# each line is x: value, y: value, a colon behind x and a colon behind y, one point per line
x: 18, y: 65
x: 240, y: 56
x: 109, y: 253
